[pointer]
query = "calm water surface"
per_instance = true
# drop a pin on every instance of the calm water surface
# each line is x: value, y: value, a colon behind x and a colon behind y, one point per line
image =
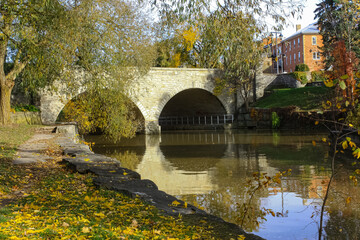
x: 211, y: 170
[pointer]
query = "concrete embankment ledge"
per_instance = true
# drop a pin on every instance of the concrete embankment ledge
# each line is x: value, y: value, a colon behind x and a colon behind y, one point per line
x: 109, y: 174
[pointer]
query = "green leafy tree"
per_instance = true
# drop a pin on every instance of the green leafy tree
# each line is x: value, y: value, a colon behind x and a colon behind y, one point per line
x: 26, y: 30
x: 199, y: 9
x: 43, y: 41
x: 238, y: 52
x: 175, y: 47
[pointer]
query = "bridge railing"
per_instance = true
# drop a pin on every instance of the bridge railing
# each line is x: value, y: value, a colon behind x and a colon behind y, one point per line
x: 197, y: 120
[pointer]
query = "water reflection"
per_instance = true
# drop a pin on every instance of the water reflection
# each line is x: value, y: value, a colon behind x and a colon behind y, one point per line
x: 211, y: 170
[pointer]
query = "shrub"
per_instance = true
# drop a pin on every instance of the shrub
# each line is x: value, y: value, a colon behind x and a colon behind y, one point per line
x: 302, y: 67
x: 318, y: 76
x: 26, y: 108
x: 300, y: 76
x: 275, y: 120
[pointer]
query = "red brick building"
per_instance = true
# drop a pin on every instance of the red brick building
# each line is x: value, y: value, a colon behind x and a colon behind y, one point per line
x: 301, y: 47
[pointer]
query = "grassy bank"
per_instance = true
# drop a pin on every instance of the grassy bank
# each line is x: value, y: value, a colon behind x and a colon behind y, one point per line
x: 306, y: 98
x: 11, y: 176
x: 48, y: 201
x: 12, y: 136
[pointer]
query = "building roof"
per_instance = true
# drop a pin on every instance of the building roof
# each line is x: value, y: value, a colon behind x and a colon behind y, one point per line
x: 310, y: 29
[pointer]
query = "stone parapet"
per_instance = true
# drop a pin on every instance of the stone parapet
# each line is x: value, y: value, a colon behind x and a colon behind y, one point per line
x: 31, y: 118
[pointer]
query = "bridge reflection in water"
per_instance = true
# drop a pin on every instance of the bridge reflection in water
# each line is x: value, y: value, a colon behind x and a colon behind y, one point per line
x: 211, y: 169
x: 197, y: 120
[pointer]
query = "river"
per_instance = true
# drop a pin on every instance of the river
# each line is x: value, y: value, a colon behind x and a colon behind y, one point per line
x: 216, y: 171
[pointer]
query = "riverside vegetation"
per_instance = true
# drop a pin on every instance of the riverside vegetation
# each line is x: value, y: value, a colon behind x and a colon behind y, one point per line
x: 47, y: 200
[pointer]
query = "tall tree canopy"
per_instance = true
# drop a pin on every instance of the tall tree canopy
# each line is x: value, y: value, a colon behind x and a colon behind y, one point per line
x: 194, y: 9
x: 339, y: 21
x: 339, y: 26
x: 238, y: 51
x: 40, y: 40
x: 227, y: 35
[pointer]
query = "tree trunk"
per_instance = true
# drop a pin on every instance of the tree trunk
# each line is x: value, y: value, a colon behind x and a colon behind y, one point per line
x: 246, y: 101
x: 236, y: 112
x: 5, y: 108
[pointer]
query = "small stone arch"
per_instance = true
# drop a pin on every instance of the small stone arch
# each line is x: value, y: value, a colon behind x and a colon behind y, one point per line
x: 53, y: 103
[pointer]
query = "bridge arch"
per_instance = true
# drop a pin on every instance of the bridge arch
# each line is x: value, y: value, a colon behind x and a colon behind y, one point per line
x: 53, y: 104
x: 192, y: 101
x: 169, y: 96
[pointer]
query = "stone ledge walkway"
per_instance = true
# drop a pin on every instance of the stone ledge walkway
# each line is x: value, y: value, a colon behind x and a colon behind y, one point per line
x: 109, y: 174
x: 33, y: 150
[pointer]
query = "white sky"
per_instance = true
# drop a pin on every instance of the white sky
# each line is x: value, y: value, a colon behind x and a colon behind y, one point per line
x: 307, y: 18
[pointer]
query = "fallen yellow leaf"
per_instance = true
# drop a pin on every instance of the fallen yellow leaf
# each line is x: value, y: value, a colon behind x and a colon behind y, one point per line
x: 175, y: 203
x: 65, y: 224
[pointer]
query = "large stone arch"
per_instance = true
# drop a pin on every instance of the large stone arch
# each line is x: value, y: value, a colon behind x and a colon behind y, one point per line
x: 179, y: 90
x: 171, y: 97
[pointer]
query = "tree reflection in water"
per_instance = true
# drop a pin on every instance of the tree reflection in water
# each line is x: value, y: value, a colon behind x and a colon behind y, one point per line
x: 211, y: 170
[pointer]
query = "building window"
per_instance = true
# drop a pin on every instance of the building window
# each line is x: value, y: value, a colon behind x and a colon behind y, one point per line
x: 299, y: 41
x: 294, y: 57
x: 316, y: 55
x: 290, y: 46
x: 294, y: 44
x: 299, y: 56
x: 290, y: 58
x: 286, y: 60
x: 313, y: 40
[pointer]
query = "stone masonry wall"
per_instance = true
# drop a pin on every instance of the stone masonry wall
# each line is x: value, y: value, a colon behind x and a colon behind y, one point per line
x: 150, y: 93
x: 31, y: 118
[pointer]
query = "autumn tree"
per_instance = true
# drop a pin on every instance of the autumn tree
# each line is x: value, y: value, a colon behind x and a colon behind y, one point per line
x: 113, y: 61
x: 191, y: 10
x: 238, y: 51
x: 228, y: 35
x: 41, y: 41
x: 339, y: 26
x: 338, y: 22
x: 175, y: 45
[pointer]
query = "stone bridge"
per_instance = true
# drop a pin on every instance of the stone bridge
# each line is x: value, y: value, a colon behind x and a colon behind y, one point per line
x: 162, y: 92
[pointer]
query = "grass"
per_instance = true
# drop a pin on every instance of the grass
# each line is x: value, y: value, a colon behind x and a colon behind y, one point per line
x: 12, y: 136
x: 48, y: 201
x: 11, y: 176
x: 307, y: 98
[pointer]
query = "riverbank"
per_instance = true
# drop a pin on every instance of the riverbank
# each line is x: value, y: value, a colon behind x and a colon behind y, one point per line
x: 47, y: 199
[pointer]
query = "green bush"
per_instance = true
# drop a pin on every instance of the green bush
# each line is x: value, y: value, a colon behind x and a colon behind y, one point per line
x: 26, y: 108
x: 300, y: 76
x: 275, y: 120
x: 318, y: 76
x: 302, y: 67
